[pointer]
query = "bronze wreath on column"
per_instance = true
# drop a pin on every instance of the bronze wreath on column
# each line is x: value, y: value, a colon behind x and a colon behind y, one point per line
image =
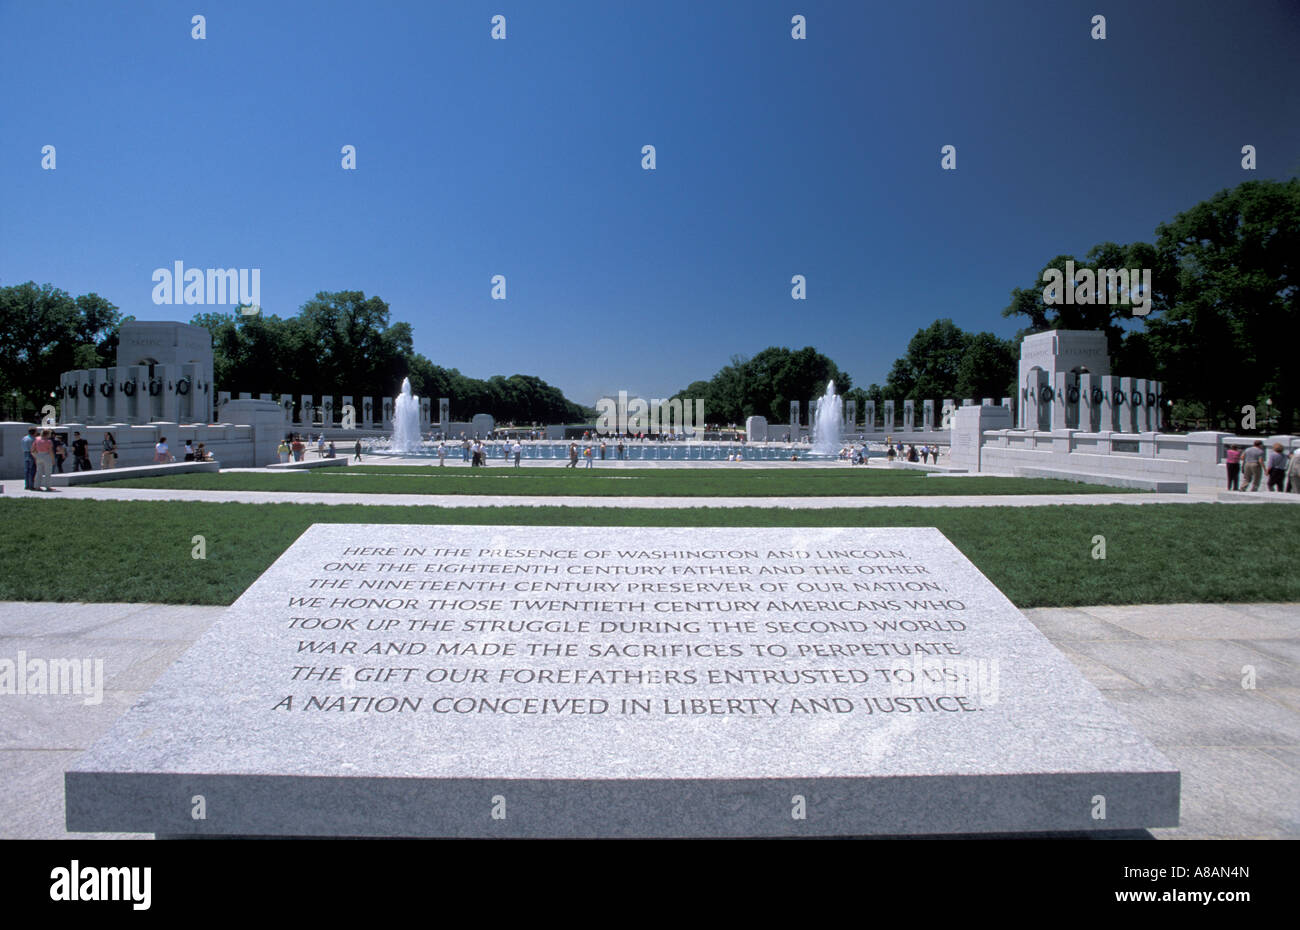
x: 106, y: 388
x: 183, y: 386
x: 1117, y: 398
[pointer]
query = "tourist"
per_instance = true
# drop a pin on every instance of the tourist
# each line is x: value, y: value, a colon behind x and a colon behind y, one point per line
x: 29, y: 463
x: 320, y: 446
x: 464, y: 449
x: 43, y: 453
x: 587, y: 454
x: 1276, y: 468
x: 911, y: 453
x: 573, y: 455
x: 160, y: 453
x: 1293, y: 472
x: 1232, y: 460
x: 602, y: 450
x: 60, y: 452
x: 332, y: 453
x: 297, y: 447
x: 517, y: 449
x: 201, y: 454
x: 890, y: 454
x: 189, y: 450
x: 442, y: 454
x: 282, y: 450
x: 356, y: 451
x: 1252, y: 465
x: 80, y: 453
x: 108, y: 457
x: 620, y: 449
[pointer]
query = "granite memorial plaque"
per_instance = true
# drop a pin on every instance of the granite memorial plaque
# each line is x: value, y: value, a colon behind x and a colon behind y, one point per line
x: 397, y: 680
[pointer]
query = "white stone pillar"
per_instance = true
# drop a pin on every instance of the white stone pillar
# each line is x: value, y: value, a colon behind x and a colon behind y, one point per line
x: 909, y: 416
x: 927, y: 415
x: 889, y: 418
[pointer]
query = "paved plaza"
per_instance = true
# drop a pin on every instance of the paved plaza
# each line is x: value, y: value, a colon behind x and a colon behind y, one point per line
x: 1175, y: 671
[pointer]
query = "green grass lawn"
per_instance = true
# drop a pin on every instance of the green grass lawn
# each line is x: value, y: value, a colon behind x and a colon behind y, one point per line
x: 86, y: 550
x: 613, y: 482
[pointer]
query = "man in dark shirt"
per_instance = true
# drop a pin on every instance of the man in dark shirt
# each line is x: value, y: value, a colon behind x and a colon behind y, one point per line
x: 80, y: 453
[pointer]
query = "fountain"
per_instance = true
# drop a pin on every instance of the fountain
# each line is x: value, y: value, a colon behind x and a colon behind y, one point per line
x: 406, y: 421
x: 828, y: 420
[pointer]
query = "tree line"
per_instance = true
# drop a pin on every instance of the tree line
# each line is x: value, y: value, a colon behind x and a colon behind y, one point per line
x: 1222, y: 326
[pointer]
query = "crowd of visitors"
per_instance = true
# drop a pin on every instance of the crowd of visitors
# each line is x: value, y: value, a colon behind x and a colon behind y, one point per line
x: 1255, y: 464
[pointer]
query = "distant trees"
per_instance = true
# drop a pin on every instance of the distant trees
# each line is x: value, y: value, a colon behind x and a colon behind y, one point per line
x: 765, y: 384
x: 1225, y: 305
x: 942, y: 361
x: 45, y: 331
x: 344, y: 342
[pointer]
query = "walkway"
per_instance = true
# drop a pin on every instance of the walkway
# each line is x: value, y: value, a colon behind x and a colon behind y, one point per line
x: 1175, y: 671
x: 14, y: 489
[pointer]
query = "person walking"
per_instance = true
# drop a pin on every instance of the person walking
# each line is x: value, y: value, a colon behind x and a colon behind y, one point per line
x: 160, y: 453
x: 189, y: 450
x: 356, y: 452
x: 573, y: 455
x: 517, y: 449
x: 1252, y: 465
x: 297, y: 448
x: 108, y: 457
x: 1232, y: 462
x: 282, y: 450
x: 43, y: 453
x: 1276, y: 467
x: 587, y: 454
x: 29, y: 463
x: 1293, y: 472
x: 442, y: 454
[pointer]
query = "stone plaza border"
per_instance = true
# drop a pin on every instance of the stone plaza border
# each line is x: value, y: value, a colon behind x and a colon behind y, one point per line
x: 1041, y: 751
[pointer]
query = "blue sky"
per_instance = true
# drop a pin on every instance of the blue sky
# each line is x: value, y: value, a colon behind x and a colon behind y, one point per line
x: 522, y: 157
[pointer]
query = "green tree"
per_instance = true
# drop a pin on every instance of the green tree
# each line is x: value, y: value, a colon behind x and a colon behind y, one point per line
x: 1230, y: 303
x: 44, y: 332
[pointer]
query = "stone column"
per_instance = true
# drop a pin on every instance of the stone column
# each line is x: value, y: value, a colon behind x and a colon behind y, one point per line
x: 388, y: 413
x: 444, y: 413
x: 286, y: 404
x: 1141, y: 414
x: 1089, y: 409
x: 794, y: 419
x: 169, y: 407
x: 850, y: 416
x: 367, y: 412
x: 947, y: 410
x: 909, y: 416
x: 1056, y: 406
x: 889, y: 418
x: 1128, y: 413
x: 869, y: 417
x: 343, y: 411
x: 986, y: 402
x: 1036, y: 408
x: 425, y: 412
x: 328, y: 406
x: 97, y: 409
x: 927, y: 415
